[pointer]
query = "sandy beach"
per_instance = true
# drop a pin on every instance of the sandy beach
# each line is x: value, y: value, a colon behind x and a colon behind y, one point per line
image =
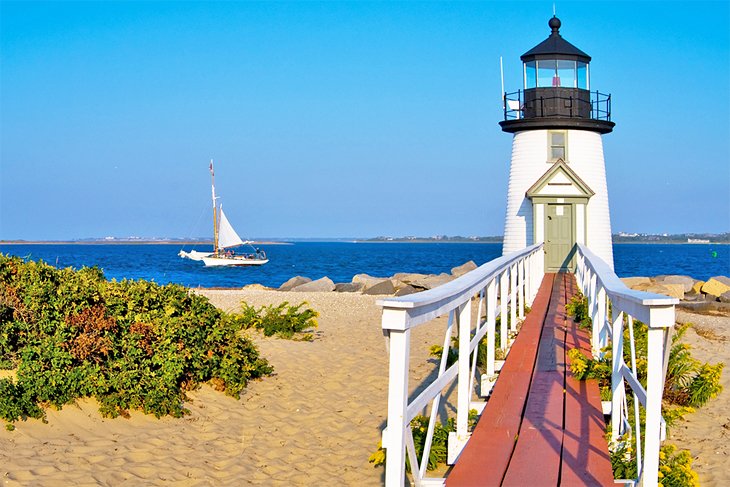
x: 315, y: 422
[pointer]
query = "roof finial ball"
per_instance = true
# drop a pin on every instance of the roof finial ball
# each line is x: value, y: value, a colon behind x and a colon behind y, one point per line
x: 554, y: 24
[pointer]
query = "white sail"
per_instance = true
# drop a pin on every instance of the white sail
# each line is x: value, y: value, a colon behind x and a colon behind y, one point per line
x: 227, y: 236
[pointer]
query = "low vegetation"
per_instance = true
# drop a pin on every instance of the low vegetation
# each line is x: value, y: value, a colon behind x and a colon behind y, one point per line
x: 439, y: 444
x: 131, y: 345
x: 283, y: 320
x: 689, y: 384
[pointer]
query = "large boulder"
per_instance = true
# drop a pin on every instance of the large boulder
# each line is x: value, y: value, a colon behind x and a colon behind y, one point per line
x: 636, y: 282
x: 349, y: 287
x: 725, y: 297
x: 463, y: 269
x: 294, y: 282
x: 324, y: 284
x: 432, y: 281
x: 716, y: 286
x: 697, y: 287
x: 384, y: 287
x: 686, y: 281
x: 367, y: 280
x: 672, y: 290
x: 406, y: 290
x: 408, y: 278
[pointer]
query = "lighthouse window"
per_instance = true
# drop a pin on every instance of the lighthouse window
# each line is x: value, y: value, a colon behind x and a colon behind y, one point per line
x: 530, y: 75
x: 546, y: 73
x: 566, y: 73
x: 582, y: 75
x: 557, y: 145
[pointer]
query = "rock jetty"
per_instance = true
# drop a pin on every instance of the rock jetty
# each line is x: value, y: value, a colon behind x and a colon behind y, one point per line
x: 399, y: 284
x: 685, y: 288
x: 689, y: 290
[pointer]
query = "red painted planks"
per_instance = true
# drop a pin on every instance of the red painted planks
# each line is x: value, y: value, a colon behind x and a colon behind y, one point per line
x: 486, y: 456
x: 585, y: 459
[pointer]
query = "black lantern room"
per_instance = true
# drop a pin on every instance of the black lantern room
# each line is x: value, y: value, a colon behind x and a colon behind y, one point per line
x: 556, y: 90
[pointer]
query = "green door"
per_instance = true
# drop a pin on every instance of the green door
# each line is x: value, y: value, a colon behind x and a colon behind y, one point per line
x: 559, y: 240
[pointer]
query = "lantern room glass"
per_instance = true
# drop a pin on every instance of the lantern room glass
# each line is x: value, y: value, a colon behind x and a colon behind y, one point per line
x: 554, y: 73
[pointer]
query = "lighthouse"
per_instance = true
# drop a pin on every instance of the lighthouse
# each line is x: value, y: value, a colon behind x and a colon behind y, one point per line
x: 557, y: 191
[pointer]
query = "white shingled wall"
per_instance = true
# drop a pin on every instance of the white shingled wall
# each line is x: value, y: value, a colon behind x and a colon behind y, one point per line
x: 529, y: 162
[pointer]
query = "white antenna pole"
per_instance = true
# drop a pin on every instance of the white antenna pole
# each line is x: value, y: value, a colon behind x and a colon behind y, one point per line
x: 553, y: 9
x: 501, y: 74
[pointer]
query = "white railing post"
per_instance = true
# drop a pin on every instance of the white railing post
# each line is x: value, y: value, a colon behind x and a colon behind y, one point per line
x: 521, y: 267
x: 491, y: 325
x: 528, y: 281
x: 503, y: 284
x: 464, y: 379
x: 654, y: 390
x: 593, y: 309
x: 617, y: 380
x: 601, y: 317
x: 536, y: 275
x: 395, y: 440
x: 513, y: 297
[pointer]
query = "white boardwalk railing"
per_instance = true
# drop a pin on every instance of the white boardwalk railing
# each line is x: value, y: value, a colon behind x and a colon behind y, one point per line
x: 518, y: 277
x: 602, y: 287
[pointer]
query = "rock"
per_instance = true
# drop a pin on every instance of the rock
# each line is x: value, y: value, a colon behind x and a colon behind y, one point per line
x: 349, y: 287
x: 716, y: 286
x: 408, y: 278
x: 633, y: 282
x: 368, y: 280
x: 463, y: 269
x: 406, y: 290
x: 257, y: 287
x: 294, y: 282
x: 432, y: 281
x: 725, y: 297
x: 672, y: 290
x: 723, y: 279
x: 384, y: 287
x: 694, y: 297
x: 324, y: 284
x: 697, y: 287
x: 686, y: 281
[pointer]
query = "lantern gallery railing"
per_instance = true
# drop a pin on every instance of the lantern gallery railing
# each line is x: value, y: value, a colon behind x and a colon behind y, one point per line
x: 557, y: 103
x: 516, y: 277
x: 614, y: 308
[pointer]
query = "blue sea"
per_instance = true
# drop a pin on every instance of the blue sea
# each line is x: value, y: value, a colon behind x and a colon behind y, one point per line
x: 340, y: 261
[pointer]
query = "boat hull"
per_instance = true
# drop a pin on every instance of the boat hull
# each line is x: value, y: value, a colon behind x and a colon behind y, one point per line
x: 236, y: 261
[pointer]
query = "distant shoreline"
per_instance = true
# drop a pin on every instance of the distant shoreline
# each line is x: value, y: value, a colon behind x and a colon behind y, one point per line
x: 294, y: 242
x: 125, y: 242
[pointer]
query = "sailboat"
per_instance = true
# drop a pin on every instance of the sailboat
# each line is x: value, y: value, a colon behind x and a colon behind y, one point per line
x: 225, y: 239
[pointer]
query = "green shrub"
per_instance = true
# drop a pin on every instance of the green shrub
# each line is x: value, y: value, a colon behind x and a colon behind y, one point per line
x: 132, y: 345
x: 283, y: 320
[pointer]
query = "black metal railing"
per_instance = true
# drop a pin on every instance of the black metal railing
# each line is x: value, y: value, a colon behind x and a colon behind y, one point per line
x: 557, y: 103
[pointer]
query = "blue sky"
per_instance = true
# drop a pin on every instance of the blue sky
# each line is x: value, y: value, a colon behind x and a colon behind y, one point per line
x: 340, y: 119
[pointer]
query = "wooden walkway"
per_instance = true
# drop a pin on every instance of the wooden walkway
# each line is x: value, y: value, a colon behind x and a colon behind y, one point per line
x: 541, y: 426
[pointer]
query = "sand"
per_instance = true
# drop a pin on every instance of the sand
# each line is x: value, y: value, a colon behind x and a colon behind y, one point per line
x: 706, y: 432
x: 313, y: 423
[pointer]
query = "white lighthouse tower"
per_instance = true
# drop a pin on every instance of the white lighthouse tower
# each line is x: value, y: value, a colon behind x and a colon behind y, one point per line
x: 557, y: 190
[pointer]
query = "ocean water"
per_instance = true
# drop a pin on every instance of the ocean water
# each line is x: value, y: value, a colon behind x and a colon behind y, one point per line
x: 340, y: 261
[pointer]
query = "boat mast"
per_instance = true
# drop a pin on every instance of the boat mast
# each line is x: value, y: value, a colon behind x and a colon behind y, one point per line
x: 215, y: 212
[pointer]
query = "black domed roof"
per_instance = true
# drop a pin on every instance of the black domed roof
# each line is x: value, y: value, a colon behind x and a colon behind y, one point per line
x: 556, y: 46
